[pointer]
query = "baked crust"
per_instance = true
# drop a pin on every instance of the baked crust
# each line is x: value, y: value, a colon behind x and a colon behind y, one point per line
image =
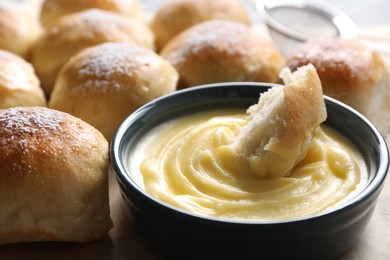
x: 104, y: 84
x: 348, y: 69
x: 19, y: 86
x: 222, y: 51
x: 53, y: 9
x: 175, y: 16
x: 19, y: 29
x: 74, y: 32
x: 53, y: 168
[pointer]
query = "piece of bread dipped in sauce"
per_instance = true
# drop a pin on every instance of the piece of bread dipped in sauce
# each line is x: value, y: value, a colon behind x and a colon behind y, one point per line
x: 280, y: 127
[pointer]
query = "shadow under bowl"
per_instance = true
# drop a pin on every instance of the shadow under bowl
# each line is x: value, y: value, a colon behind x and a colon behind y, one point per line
x: 177, y: 234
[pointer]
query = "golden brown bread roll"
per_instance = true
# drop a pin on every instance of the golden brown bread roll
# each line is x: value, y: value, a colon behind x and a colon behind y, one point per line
x: 348, y: 69
x: 19, y: 29
x: 222, y: 51
x: 174, y: 16
x: 53, y: 9
x: 19, y: 86
x: 104, y: 84
x: 53, y: 177
x: 74, y: 32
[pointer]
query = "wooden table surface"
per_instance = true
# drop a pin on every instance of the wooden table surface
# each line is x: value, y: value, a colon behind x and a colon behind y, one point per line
x: 123, y: 241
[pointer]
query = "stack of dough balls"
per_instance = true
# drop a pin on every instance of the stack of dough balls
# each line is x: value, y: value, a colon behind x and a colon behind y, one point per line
x: 71, y: 33
x: 222, y: 51
x: 350, y: 72
x: 174, y: 16
x: 104, y: 84
x: 54, y: 9
x: 19, y: 29
x: 19, y: 86
x: 53, y: 177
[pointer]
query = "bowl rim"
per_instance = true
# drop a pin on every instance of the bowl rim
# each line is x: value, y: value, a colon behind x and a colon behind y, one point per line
x: 345, y: 26
x: 123, y: 177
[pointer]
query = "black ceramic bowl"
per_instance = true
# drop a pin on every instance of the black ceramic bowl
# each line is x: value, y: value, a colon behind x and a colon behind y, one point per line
x: 178, y: 234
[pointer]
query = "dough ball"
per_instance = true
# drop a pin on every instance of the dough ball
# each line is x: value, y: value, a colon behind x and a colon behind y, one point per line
x: 54, y: 9
x: 19, y: 29
x: 72, y: 33
x: 104, y: 84
x: 222, y: 51
x: 348, y: 69
x: 19, y: 86
x: 175, y: 16
x: 53, y: 177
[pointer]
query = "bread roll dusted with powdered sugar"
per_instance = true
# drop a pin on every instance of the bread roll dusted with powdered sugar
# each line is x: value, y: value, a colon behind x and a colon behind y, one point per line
x: 349, y: 70
x: 19, y: 29
x: 104, y: 84
x: 54, y: 9
x: 174, y: 16
x: 222, y: 51
x: 72, y: 33
x: 53, y: 177
x: 19, y: 86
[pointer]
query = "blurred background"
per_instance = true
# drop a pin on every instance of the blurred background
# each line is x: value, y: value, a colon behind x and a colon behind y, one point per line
x: 364, y: 13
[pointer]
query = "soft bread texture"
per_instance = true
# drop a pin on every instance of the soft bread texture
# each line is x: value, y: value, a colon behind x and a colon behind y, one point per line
x: 222, y: 51
x: 54, y: 9
x: 19, y: 86
x: 348, y: 69
x: 174, y: 16
x: 53, y: 177
x: 19, y: 29
x: 104, y: 84
x: 74, y: 32
x: 280, y: 128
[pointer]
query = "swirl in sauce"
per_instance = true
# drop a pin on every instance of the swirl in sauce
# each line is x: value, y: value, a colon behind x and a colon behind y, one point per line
x: 188, y: 163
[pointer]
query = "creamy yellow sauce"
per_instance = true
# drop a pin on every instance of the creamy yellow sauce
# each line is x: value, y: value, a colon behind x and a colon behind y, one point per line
x: 187, y: 163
